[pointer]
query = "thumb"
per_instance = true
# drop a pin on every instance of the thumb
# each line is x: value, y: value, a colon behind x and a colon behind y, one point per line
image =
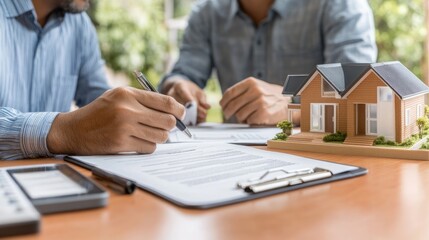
x: 202, y: 99
x: 182, y: 94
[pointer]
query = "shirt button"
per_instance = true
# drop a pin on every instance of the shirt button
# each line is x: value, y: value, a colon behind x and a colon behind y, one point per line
x: 259, y: 42
x: 259, y: 75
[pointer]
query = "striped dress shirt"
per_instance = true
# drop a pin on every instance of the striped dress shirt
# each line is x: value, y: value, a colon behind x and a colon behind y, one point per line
x: 42, y: 71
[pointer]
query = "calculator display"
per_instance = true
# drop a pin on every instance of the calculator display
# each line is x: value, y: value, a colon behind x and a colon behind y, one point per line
x: 48, y: 184
x: 57, y: 188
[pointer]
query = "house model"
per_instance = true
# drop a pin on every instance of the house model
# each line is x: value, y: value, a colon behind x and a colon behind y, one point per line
x: 380, y: 99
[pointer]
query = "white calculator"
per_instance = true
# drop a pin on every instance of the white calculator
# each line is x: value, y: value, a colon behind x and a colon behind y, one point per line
x: 17, y: 214
x: 27, y: 191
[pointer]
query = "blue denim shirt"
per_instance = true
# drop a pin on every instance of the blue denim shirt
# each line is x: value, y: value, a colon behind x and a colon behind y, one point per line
x: 42, y: 70
x: 295, y: 36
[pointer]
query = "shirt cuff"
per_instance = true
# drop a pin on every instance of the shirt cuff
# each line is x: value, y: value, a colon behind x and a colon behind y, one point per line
x: 34, y: 133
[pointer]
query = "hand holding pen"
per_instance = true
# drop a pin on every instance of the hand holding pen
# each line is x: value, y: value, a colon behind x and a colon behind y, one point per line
x: 123, y: 119
x: 149, y: 87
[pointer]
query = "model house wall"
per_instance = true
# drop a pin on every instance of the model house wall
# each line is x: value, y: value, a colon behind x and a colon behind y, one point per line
x: 410, y: 127
x: 366, y: 93
x: 312, y: 95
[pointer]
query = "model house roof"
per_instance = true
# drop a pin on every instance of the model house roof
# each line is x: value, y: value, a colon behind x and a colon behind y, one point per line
x: 402, y: 81
x: 344, y: 76
x: 294, y: 83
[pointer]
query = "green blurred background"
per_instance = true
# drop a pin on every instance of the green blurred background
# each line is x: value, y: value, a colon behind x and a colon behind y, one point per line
x: 146, y: 34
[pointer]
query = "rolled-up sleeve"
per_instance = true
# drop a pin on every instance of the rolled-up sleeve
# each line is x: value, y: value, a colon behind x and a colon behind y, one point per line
x: 23, y: 135
x: 195, y: 61
x: 348, y: 27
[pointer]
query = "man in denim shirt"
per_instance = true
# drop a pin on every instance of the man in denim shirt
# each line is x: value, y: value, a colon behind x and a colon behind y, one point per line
x: 255, y: 44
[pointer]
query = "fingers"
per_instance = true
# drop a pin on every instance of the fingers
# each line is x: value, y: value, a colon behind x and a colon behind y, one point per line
x: 247, y: 110
x: 185, y: 91
x: 134, y: 144
x: 236, y: 104
x: 203, y: 106
x: 160, y: 103
x: 150, y: 134
x: 201, y: 114
x: 237, y: 90
x: 202, y: 99
x: 153, y: 118
x: 257, y: 118
x: 181, y: 92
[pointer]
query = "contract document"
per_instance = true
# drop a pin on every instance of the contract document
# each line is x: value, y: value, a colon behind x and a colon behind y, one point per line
x: 204, y: 175
x: 226, y: 133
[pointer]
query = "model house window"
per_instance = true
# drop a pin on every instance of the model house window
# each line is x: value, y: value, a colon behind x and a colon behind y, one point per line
x: 371, y: 118
x: 385, y: 94
x: 316, y: 117
x: 327, y: 89
x: 419, y: 110
x: 407, y: 117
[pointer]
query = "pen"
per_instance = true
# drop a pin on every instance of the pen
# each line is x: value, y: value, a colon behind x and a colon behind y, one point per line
x: 120, y: 184
x: 148, y: 86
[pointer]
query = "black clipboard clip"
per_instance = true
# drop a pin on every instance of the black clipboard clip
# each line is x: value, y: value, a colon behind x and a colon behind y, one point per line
x: 289, y: 178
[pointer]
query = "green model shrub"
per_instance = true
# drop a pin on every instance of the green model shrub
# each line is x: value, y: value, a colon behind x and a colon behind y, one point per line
x: 409, y: 141
x: 280, y: 136
x: 335, y: 137
x: 425, y: 145
x: 379, y: 140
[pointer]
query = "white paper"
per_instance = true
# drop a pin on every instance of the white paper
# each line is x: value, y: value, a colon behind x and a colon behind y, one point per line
x: 202, y: 173
x: 225, y: 133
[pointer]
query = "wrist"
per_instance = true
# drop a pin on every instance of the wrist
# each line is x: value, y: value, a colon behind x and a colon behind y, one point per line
x: 58, y: 140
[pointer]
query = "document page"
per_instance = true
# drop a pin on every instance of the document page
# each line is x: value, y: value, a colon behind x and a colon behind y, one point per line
x: 226, y: 133
x: 196, y: 174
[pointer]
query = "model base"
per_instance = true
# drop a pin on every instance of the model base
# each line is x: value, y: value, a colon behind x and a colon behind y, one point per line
x: 344, y: 149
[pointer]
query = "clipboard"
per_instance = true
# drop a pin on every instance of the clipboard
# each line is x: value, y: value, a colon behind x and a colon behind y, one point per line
x: 196, y: 200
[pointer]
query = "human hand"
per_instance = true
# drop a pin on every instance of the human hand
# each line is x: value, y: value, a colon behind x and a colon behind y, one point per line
x: 121, y: 120
x: 185, y: 91
x: 256, y: 102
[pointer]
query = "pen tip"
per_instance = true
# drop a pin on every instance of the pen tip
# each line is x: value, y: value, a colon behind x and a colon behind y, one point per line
x: 188, y: 133
x: 137, y: 73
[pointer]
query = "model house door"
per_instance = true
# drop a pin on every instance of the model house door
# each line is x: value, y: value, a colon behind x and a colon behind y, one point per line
x: 360, y: 119
x: 329, y: 119
x: 323, y: 118
x: 371, y: 119
x: 295, y: 117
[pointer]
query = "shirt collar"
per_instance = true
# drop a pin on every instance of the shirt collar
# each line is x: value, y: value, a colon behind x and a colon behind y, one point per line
x: 234, y: 9
x: 278, y: 6
x: 16, y: 8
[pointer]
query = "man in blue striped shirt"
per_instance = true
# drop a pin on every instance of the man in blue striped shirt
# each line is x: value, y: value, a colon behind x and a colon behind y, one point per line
x: 50, y: 57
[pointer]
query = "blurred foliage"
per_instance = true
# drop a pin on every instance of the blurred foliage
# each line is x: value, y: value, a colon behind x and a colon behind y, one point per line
x: 400, y: 32
x: 132, y: 33
x: 132, y: 36
x: 182, y: 7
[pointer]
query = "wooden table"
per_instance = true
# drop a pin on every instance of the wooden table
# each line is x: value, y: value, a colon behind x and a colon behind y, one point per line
x: 390, y: 202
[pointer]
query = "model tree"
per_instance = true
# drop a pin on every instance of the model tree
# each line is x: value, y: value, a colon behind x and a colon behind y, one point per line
x: 286, y: 127
x: 422, y: 123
